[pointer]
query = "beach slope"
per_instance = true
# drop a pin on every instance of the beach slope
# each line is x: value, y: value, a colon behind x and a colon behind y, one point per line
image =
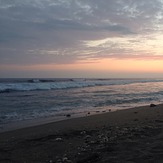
x: 132, y: 135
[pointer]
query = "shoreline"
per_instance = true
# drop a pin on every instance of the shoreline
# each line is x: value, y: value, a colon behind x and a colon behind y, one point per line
x: 16, y: 125
x: 53, y: 119
x: 110, y: 136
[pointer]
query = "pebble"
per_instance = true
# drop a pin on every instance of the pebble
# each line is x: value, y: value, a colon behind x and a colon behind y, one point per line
x: 58, y: 139
x: 59, y: 161
x: 87, y: 137
x: 152, y: 105
x: 64, y: 159
x: 104, y: 140
x: 83, y: 132
x: 92, y: 142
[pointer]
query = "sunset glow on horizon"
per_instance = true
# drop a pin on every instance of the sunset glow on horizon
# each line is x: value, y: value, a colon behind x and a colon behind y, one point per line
x: 63, y: 38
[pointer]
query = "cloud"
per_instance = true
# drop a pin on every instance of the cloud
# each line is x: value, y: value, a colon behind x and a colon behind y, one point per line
x: 65, y: 31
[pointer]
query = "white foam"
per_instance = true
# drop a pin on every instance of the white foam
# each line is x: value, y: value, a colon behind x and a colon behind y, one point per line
x: 37, y: 85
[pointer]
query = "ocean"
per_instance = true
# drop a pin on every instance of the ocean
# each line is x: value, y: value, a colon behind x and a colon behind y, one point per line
x: 24, y: 100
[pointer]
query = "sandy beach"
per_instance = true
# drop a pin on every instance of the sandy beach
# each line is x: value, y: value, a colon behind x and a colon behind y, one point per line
x: 132, y: 135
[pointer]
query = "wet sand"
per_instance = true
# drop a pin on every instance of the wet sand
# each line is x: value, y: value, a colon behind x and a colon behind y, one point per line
x: 132, y: 135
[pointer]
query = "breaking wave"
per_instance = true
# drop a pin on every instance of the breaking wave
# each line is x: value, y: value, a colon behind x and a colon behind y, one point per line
x: 50, y: 84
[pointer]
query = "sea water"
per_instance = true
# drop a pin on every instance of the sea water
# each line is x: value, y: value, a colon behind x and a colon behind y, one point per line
x: 32, y: 99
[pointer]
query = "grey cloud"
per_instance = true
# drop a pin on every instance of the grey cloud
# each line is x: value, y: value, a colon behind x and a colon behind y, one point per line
x: 31, y: 24
x: 118, y: 28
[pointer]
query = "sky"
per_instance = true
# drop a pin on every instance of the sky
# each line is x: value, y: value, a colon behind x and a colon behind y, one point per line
x: 81, y: 38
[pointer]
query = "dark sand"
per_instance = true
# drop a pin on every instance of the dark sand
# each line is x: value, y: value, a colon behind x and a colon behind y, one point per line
x: 133, y: 135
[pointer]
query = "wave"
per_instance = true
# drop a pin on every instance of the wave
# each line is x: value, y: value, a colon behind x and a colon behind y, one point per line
x: 50, y: 84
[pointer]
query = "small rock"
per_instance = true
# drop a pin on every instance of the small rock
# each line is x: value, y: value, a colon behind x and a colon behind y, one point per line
x: 87, y: 137
x: 83, y: 132
x: 152, y: 105
x: 158, y: 121
x: 68, y: 115
x: 58, y: 139
x: 125, y: 129
x: 92, y: 142
x: 83, y: 150
x: 59, y: 161
x: 64, y: 159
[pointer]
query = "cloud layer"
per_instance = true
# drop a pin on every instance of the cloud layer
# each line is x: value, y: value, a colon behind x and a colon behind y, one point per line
x: 68, y: 31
